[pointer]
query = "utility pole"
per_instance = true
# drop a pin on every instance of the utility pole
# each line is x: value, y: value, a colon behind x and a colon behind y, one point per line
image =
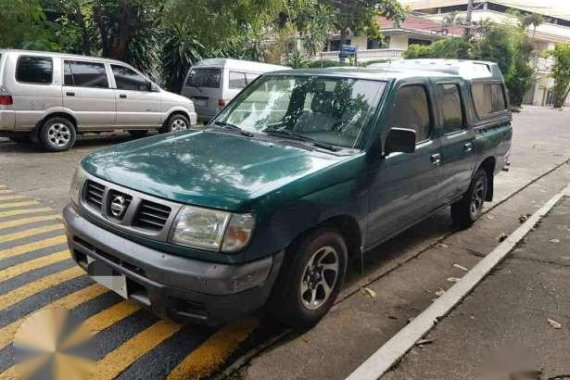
x: 467, y: 33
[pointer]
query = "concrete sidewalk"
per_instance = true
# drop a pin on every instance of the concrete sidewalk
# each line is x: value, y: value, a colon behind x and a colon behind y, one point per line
x: 515, y: 323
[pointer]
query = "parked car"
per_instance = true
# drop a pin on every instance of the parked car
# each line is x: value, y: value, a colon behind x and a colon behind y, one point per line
x: 212, y: 83
x: 51, y: 98
x: 303, y: 170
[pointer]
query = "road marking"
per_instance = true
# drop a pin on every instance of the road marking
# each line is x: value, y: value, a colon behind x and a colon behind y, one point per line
x: 30, y: 247
x: 392, y: 351
x: 30, y: 220
x: 30, y: 232
x: 71, y: 301
x: 214, y: 351
x: 4, y: 214
x: 18, y: 204
x: 28, y: 290
x: 125, y: 355
x: 30, y: 265
x: 11, y: 197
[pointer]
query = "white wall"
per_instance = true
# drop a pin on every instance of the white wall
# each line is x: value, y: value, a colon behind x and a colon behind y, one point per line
x: 398, y: 41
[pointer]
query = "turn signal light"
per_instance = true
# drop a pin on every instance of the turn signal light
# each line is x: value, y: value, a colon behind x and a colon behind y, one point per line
x: 6, y: 100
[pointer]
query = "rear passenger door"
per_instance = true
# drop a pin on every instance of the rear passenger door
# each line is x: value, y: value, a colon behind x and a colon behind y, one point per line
x: 457, y: 157
x: 86, y: 92
x: 406, y: 186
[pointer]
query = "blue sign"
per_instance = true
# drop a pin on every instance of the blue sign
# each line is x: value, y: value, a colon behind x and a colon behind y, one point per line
x: 348, y: 50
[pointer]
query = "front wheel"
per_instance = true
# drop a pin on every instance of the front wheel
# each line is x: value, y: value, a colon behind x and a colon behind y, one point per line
x: 310, y: 280
x: 176, y: 123
x: 468, y: 209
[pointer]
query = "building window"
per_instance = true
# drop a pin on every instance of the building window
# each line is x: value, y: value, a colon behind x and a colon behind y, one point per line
x: 417, y: 41
x: 335, y: 44
x: 378, y: 44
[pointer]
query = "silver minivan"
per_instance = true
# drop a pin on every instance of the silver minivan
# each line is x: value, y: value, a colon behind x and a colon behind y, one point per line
x: 51, y: 98
x: 212, y: 83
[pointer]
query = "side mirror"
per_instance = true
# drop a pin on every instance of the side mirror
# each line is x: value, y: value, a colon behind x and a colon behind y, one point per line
x: 401, y: 140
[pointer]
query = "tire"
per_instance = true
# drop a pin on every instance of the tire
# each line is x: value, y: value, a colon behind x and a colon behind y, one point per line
x: 137, y: 134
x: 57, y: 134
x: 302, y: 279
x: 176, y: 123
x: 21, y: 139
x: 468, y: 209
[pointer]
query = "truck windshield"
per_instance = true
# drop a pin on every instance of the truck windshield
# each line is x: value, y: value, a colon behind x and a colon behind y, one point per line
x: 326, y: 110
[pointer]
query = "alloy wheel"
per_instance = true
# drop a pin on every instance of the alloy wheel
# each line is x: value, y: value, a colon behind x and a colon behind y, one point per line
x: 59, y: 134
x: 178, y: 125
x: 319, y: 277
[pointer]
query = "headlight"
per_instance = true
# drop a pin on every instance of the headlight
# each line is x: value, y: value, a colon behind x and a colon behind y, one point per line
x: 212, y: 229
x: 76, y: 184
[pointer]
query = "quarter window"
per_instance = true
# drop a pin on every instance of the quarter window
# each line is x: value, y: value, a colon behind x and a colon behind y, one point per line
x: 237, y: 80
x: 209, y: 78
x: 488, y: 98
x: 37, y: 70
x: 127, y: 79
x: 411, y: 111
x: 85, y: 74
x: 451, y: 108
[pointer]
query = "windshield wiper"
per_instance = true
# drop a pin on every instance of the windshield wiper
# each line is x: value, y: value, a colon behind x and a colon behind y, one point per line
x: 297, y: 136
x: 234, y: 127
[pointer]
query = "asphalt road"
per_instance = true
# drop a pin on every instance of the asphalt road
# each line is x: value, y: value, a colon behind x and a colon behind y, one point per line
x: 35, y: 272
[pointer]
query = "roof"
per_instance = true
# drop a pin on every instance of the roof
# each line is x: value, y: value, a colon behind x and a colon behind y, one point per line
x: 238, y: 63
x: 466, y: 69
x: 63, y: 55
x: 370, y: 73
x: 417, y: 23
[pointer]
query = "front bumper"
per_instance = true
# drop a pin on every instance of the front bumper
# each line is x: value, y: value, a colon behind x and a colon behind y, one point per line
x: 175, y: 287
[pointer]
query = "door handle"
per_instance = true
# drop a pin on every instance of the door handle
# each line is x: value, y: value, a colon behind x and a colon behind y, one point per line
x: 70, y: 94
x: 468, y: 147
x: 436, y: 159
x: 122, y: 96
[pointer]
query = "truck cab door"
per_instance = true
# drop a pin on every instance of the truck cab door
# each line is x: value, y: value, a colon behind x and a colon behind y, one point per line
x: 405, y: 187
x: 457, y: 153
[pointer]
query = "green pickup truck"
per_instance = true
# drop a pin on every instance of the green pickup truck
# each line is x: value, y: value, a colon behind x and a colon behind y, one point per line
x: 302, y: 171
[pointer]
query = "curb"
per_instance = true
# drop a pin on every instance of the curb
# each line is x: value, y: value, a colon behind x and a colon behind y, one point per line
x: 392, y: 351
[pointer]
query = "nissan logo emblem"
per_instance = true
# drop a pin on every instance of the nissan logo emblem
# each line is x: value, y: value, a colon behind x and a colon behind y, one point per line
x: 118, y: 206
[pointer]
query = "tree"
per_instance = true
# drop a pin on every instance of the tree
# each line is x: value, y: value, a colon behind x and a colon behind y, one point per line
x: 24, y: 25
x: 560, y: 73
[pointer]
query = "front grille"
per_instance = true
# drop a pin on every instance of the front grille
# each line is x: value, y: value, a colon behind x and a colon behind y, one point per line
x: 94, y: 194
x: 151, y: 216
x: 125, y: 203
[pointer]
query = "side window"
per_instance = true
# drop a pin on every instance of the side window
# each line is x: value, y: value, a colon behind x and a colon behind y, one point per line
x: 488, y: 98
x: 85, y: 74
x: 237, y: 80
x: 38, y: 70
x: 412, y: 111
x: 127, y: 79
x: 251, y: 77
x: 451, y: 107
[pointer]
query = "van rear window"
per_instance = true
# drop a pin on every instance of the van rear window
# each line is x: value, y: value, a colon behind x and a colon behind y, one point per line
x: 31, y: 69
x: 488, y: 98
x: 204, y: 78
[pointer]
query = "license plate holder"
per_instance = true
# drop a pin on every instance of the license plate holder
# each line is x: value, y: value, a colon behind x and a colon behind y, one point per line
x: 107, y: 276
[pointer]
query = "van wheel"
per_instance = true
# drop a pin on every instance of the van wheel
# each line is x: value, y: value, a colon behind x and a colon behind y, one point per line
x: 176, y: 123
x: 58, y: 134
x: 138, y: 133
x: 468, y: 209
x: 310, y: 279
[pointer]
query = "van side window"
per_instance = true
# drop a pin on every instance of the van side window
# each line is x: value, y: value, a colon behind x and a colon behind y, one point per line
x: 127, y: 79
x: 451, y: 107
x: 237, y: 80
x: 204, y: 78
x: 37, y: 70
x: 412, y: 111
x: 488, y: 98
x: 251, y: 77
x: 85, y: 74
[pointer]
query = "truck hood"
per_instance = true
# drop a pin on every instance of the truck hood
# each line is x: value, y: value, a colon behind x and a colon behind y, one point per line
x: 207, y: 168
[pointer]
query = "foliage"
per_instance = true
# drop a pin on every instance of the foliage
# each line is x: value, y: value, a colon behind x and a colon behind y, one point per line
x: 560, y: 73
x: 447, y: 48
x: 23, y: 25
x: 297, y: 60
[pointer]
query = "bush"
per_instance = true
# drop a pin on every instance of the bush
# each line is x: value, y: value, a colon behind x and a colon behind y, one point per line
x: 326, y: 63
x: 455, y: 47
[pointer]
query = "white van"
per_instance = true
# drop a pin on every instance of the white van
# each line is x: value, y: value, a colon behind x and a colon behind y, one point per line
x: 212, y: 83
x: 52, y: 97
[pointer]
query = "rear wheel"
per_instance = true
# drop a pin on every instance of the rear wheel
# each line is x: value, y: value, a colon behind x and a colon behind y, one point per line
x: 310, y: 280
x: 468, y: 209
x: 176, y: 123
x: 57, y: 134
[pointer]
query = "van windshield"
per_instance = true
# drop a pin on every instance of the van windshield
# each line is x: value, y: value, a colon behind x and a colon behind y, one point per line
x: 209, y: 78
x: 321, y: 109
